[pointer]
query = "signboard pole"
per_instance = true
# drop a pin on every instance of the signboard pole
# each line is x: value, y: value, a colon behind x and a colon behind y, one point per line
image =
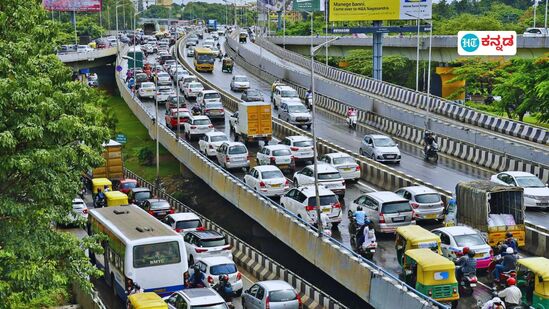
x: 378, y: 52
x: 284, y: 25
x: 75, y: 33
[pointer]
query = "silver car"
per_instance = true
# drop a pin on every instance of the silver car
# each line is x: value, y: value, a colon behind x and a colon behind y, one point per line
x: 387, y: 210
x: 273, y: 294
x: 295, y: 113
x: 427, y: 203
x: 380, y: 148
x: 233, y: 155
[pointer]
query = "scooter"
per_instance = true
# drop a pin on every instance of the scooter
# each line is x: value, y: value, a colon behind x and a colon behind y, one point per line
x: 369, y: 251
x: 309, y: 101
x: 432, y: 153
x: 351, y: 121
x: 467, y: 284
x: 504, y: 275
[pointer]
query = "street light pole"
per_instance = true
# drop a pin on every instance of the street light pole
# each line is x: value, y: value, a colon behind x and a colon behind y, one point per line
x: 326, y: 28
x: 117, y: 41
x: 429, y: 61
x: 417, y: 55
x: 535, y: 9
x: 545, y: 23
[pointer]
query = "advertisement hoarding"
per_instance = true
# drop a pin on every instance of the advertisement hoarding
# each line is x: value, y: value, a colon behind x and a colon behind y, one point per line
x: 308, y: 5
x: 72, y: 5
x: 360, y: 10
x: 487, y: 43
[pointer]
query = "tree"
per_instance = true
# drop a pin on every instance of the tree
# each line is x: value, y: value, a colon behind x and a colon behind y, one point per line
x: 479, y: 74
x: 51, y: 129
x: 360, y: 61
x: 472, y: 22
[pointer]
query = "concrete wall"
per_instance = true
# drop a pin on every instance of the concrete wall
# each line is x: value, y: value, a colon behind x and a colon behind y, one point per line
x: 88, y: 56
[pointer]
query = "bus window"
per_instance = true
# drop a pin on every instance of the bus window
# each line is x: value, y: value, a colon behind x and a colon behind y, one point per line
x: 156, y: 254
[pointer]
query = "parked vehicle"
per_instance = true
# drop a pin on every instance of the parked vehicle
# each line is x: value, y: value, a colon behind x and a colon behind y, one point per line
x: 197, y: 126
x: 115, y: 198
x: 271, y: 294
x: 163, y: 93
x: 209, y: 143
x: 296, y: 114
x: 147, y: 90
x: 533, y: 279
x: 301, y: 147
x: 192, y: 89
x: 284, y: 94
x: 196, y: 298
x: 233, y: 155
x: 279, y: 155
x: 327, y: 176
x: 414, y: 237
x: 212, y: 267
x: 147, y: 300
x: 157, y: 208
x: 126, y: 184
x: 208, y: 96
x: 239, y: 83
x: 138, y: 195
x: 344, y: 163
x: 252, y: 95
x: 176, y: 117
x: 206, y: 243
x: 455, y: 238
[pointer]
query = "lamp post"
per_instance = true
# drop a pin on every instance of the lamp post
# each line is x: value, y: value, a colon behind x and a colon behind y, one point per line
x: 417, y: 53
x: 535, y: 9
x: 117, y: 41
x: 284, y: 24
x: 326, y: 28
x: 313, y: 50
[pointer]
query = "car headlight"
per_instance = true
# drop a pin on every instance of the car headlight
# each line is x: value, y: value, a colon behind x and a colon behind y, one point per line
x: 534, y: 197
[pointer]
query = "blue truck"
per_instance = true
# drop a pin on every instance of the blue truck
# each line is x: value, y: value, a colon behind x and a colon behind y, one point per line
x: 212, y: 25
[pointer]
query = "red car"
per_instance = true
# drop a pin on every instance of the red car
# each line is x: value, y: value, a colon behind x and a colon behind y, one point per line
x: 126, y: 185
x: 176, y: 117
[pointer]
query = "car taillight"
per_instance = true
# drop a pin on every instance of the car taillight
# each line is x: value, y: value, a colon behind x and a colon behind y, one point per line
x: 459, y: 253
x: 151, y: 212
x: 414, y: 205
x: 357, y: 168
x: 248, y: 157
x: 286, y: 183
x: 200, y: 228
x: 227, y: 159
x: 179, y: 230
x: 491, y: 252
x: 299, y: 300
x: 193, y: 127
x: 210, y: 126
x: 381, y: 218
x: 309, y: 208
x: 273, y: 160
x: 228, y: 247
x: 267, y: 303
x: 199, y: 250
x: 206, y: 110
x: 238, y: 276
x: 473, y: 280
x: 262, y: 184
x: 336, y: 205
x: 85, y: 211
x: 210, y: 280
x: 172, y: 211
x: 294, y: 148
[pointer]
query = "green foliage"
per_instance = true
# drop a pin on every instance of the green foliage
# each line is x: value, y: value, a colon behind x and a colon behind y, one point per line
x: 480, y: 74
x: 51, y: 129
x: 146, y: 156
x: 85, y: 26
x: 160, y: 11
x: 466, y: 21
x: 224, y: 14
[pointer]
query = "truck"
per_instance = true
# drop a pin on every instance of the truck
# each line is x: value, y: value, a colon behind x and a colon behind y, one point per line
x: 150, y: 28
x: 252, y: 122
x: 492, y: 209
x: 212, y: 25
x: 113, y: 168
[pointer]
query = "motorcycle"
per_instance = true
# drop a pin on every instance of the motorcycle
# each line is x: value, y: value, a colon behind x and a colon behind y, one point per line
x: 467, y: 284
x: 432, y: 153
x: 100, y: 203
x: 351, y: 121
x: 504, y: 275
x: 309, y: 101
x: 82, y: 192
x: 354, y: 231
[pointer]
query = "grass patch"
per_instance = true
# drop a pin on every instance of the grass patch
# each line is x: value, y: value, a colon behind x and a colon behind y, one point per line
x: 137, y: 138
x: 493, y: 110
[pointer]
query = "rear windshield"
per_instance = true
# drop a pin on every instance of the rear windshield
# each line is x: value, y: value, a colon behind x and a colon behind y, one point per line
x: 128, y: 185
x: 214, y: 242
x: 240, y: 79
x: 282, y: 152
x: 282, y: 296
x: 201, y: 121
x: 327, y: 176
x: 428, y: 198
x: 272, y: 174
x: 223, y: 269
x: 165, y: 90
x: 289, y: 94
x: 469, y: 240
x: 396, y: 207
x: 142, y: 195
x: 160, y: 205
x: 191, y: 224
x: 324, y: 200
x: 344, y: 160
x: 156, y: 254
x: 237, y: 150
x: 303, y: 144
x: 214, y: 306
x: 212, y: 96
x: 297, y: 109
x: 218, y: 138
x: 214, y: 106
x: 195, y: 86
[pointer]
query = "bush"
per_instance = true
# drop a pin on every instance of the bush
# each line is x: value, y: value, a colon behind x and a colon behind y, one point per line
x: 146, y: 156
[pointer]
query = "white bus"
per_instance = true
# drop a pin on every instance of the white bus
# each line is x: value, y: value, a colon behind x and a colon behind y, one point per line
x: 139, y: 248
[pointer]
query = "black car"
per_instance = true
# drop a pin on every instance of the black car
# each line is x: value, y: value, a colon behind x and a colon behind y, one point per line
x: 252, y: 95
x: 140, y: 78
x: 138, y: 195
x: 172, y: 102
x: 157, y: 208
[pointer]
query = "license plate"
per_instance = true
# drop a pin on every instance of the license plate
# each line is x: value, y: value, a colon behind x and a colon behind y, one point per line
x: 284, y: 166
x: 542, y: 204
x: 161, y: 213
x: 391, y: 156
x: 473, y: 285
x: 347, y: 169
x: 479, y: 255
x: 372, y: 250
x: 399, y: 219
x: 326, y: 210
x: 306, y: 153
x: 432, y: 216
x: 276, y: 185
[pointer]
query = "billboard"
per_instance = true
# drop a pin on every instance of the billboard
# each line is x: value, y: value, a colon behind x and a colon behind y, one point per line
x: 276, y: 5
x: 308, y: 5
x: 487, y: 43
x: 360, y: 10
x: 72, y: 5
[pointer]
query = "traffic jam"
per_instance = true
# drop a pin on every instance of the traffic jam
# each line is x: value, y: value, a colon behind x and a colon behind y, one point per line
x: 464, y: 252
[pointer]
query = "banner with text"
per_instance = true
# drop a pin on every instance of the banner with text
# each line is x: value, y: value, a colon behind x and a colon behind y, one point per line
x: 359, y: 10
x: 72, y: 5
x: 308, y: 5
x: 487, y: 43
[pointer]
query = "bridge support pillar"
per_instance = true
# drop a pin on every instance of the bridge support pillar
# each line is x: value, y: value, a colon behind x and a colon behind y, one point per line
x: 378, y: 52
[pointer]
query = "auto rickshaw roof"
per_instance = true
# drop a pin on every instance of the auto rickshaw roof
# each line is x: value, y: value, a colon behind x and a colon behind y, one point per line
x: 115, y: 195
x: 148, y: 300
x: 429, y: 260
x: 417, y: 234
x: 539, y: 265
x: 101, y: 182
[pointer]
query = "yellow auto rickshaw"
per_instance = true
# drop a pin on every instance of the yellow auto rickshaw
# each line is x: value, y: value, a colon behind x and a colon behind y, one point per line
x: 100, y: 183
x: 116, y: 198
x: 227, y: 65
x: 431, y: 274
x: 533, y: 281
x: 415, y: 237
x: 243, y: 37
x: 147, y: 300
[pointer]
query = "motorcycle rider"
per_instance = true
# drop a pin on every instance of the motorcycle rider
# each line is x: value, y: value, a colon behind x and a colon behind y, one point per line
x: 466, y: 265
x: 224, y: 288
x: 99, y: 198
x: 309, y: 95
x: 369, y: 235
x: 512, y: 294
x: 494, y: 303
x: 511, y: 242
x: 428, y: 139
x: 197, y: 278
x: 508, y: 262
x: 360, y: 217
x: 196, y: 109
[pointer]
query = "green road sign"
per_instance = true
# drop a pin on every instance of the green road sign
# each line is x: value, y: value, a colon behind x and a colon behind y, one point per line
x: 121, y: 138
x: 306, y: 5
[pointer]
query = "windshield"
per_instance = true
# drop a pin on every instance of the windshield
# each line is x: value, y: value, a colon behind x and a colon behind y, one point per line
x: 297, y: 109
x: 237, y: 150
x: 396, y: 207
x: 253, y: 94
x: 329, y: 176
x: 223, y: 269
x: 281, y: 152
x: 212, y: 96
x: 160, y: 205
x: 240, y: 79
x: 324, y: 200
x: 384, y: 142
x: 128, y: 185
x: 141, y: 77
x: 214, y: 306
x: 165, y: 90
x: 202, y: 121
x: 344, y: 160
x: 140, y: 196
x: 218, y: 138
x: 289, y: 94
x: 303, y: 144
x: 156, y: 254
x: 191, y: 224
x: 181, y: 115
x: 529, y: 182
x: 164, y: 75
x: 272, y: 174
x: 205, y: 59
x: 469, y: 240
x: 282, y: 296
x: 428, y: 198
x: 195, y: 86
x: 214, y: 242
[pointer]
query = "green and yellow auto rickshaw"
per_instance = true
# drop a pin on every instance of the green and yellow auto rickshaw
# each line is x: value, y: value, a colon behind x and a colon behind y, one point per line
x: 533, y: 281
x: 415, y: 237
x: 227, y: 65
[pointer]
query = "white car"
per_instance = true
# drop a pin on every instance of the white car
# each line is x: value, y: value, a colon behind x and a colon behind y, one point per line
x: 192, y: 89
x: 278, y: 155
x: 84, y: 49
x: 453, y: 239
x: 196, y: 298
x: 168, y: 63
x: 177, y: 70
x: 344, y: 163
x: 183, y: 81
x: 233, y: 155
x: 536, y: 193
x: 184, y: 222
x: 215, y: 51
x: 214, y: 110
x: 380, y: 148
x: 79, y: 211
x: 208, y: 41
x: 210, y: 141
x: 147, y: 90
x: 212, y: 267
x: 328, y: 176
x: 208, y: 96
x: 197, y: 126
x: 163, y: 93
x: 295, y: 113
x: 536, y: 32
x: 427, y: 203
x: 206, y: 243
x: 240, y: 83
x: 148, y: 48
x: 301, y: 147
x: 190, y: 51
x: 302, y: 201
x: 267, y: 179
x: 163, y: 78
x: 285, y: 94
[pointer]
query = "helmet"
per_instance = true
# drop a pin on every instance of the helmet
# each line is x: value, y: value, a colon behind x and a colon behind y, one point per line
x: 511, y: 281
x: 221, y: 278
x: 508, y: 234
x: 497, y: 300
x: 196, y: 268
x: 465, y: 250
x: 509, y: 250
x: 471, y: 253
x: 359, y: 208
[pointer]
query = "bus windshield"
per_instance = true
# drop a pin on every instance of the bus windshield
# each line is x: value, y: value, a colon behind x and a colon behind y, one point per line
x: 156, y: 254
x: 205, y: 58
